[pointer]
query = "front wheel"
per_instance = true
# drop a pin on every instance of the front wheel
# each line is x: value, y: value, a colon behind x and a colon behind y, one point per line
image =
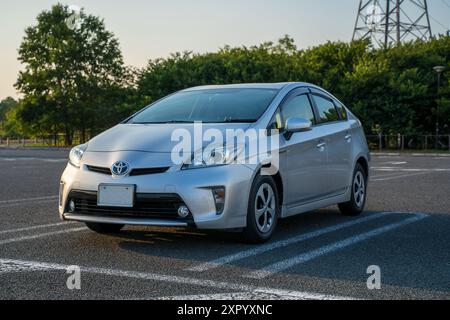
x: 104, y: 228
x: 263, y: 210
x: 359, y: 191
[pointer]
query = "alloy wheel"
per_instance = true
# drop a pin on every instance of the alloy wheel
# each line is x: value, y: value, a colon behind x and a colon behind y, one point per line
x: 265, y: 208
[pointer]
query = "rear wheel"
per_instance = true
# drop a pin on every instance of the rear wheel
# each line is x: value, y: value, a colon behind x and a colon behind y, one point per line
x: 263, y: 210
x: 104, y: 228
x: 359, y: 190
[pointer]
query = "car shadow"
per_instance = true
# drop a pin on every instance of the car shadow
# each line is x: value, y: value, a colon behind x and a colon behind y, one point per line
x: 212, y: 242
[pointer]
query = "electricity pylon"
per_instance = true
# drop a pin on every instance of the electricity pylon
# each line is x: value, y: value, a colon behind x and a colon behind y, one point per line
x: 389, y: 22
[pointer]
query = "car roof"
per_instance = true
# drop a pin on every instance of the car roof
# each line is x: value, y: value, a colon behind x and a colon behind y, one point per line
x: 272, y: 86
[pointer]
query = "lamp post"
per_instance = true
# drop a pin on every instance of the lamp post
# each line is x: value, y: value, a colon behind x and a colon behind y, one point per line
x: 439, y: 70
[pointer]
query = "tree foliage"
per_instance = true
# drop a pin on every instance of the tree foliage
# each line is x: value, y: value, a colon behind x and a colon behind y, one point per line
x: 392, y: 90
x: 73, y: 77
x: 8, y: 120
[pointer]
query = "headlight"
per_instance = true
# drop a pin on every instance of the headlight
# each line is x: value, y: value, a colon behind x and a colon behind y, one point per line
x: 76, y: 154
x: 210, y: 157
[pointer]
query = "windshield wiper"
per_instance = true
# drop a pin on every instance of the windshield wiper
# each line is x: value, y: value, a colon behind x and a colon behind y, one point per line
x: 178, y: 121
x: 206, y: 122
x: 164, y: 122
x: 239, y: 121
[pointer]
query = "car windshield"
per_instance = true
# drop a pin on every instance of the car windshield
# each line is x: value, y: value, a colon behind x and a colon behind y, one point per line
x: 208, y: 106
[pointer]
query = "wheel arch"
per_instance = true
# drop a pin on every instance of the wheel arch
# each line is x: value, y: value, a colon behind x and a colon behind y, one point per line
x: 364, y: 162
x: 279, y: 183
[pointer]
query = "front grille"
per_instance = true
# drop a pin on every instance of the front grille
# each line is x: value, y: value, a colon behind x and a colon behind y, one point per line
x: 147, y: 171
x: 134, y: 172
x: 153, y: 206
x: 99, y: 170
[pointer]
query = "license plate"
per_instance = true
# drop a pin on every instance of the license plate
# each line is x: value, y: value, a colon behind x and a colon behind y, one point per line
x: 116, y: 195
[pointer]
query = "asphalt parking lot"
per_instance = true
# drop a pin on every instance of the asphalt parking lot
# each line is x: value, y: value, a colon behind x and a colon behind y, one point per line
x: 405, y: 231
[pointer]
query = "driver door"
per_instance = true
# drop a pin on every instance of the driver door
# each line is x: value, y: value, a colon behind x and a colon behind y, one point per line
x: 306, y: 153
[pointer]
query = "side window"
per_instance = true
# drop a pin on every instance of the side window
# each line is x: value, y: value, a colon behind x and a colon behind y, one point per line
x: 342, y: 111
x: 326, y: 109
x: 298, y: 107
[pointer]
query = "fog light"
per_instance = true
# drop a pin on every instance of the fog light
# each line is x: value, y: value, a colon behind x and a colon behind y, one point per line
x: 71, y: 206
x: 219, y: 199
x: 183, y: 212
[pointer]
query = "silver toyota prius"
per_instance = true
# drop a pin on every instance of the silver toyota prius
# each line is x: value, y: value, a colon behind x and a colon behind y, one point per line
x: 232, y: 157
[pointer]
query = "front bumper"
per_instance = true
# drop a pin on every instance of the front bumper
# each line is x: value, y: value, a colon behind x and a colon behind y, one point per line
x: 125, y: 220
x: 194, y: 188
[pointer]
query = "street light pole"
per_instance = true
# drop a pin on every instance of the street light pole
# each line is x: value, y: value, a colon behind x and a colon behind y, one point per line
x: 439, y: 70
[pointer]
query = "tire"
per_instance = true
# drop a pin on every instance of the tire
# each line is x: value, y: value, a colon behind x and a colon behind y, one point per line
x: 359, y: 193
x: 104, y: 228
x: 263, y: 202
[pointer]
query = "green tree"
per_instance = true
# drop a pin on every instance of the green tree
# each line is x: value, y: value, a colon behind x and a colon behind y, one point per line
x: 72, y: 75
x: 392, y: 90
x: 6, y: 105
x: 268, y: 62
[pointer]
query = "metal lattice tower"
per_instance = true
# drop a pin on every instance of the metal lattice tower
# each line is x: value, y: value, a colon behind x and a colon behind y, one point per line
x: 388, y: 22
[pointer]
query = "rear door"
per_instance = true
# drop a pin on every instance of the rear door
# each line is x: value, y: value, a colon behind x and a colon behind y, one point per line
x: 337, y: 136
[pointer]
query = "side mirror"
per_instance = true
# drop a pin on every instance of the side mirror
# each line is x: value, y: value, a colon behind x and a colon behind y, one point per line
x: 294, y: 125
x: 298, y: 125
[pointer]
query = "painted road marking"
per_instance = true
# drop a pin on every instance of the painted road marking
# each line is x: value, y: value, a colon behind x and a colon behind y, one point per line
x: 395, y: 176
x: 397, y: 163
x: 390, y: 155
x: 24, y: 202
x: 279, y: 244
x: 384, y: 175
x: 51, y: 160
x: 9, y: 266
x: 272, y: 295
x: 396, y: 169
x: 46, y: 198
x: 42, y: 226
x: 41, y: 235
x: 313, y: 254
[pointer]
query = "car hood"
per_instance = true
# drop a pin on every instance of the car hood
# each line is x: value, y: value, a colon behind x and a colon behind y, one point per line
x: 148, y: 138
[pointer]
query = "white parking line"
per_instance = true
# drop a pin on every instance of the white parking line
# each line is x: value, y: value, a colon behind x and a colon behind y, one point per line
x: 26, y: 202
x: 50, y: 160
x: 397, y: 163
x: 41, y: 235
x: 308, y: 256
x: 279, y: 244
x: 271, y: 295
x: 42, y: 226
x: 395, y: 176
x: 8, y: 266
x: 384, y: 175
x: 396, y: 169
x: 14, y: 201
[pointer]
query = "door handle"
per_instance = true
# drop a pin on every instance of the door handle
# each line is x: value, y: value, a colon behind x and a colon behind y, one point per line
x: 321, y: 145
x: 348, y: 137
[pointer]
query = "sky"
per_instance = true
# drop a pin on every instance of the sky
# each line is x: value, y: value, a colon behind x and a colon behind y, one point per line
x: 148, y: 29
